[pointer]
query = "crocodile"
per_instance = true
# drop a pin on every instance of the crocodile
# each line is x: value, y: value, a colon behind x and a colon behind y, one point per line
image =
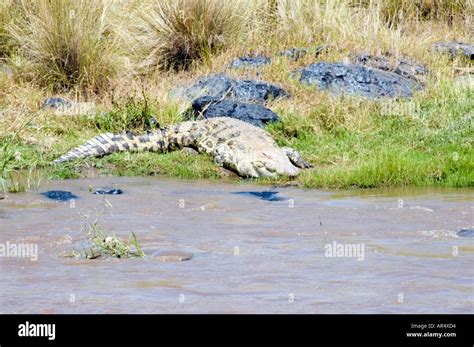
x: 234, y: 144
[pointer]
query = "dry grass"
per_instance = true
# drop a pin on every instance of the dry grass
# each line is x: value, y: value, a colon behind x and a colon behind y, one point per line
x: 96, y: 46
x: 67, y: 44
x: 347, y: 25
x: 85, y: 56
x: 399, y: 12
x: 8, y: 12
x: 173, y: 34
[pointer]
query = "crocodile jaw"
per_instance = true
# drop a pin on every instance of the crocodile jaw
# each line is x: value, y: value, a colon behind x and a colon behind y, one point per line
x: 267, y: 163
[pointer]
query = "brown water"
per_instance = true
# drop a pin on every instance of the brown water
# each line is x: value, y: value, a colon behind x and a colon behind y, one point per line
x: 249, y: 255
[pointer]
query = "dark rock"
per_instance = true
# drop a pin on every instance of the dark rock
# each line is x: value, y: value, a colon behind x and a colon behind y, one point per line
x: 216, y: 85
x: 466, y: 232
x: 367, y: 59
x: 56, y: 103
x: 410, y: 68
x: 209, y: 107
x: 223, y: 87
x: 403, y: 66
x: 455, y: 48
x: 107, y: 191
x: 257, y: 91
x: 250, y: 61
x: 357, y: 80
x: 266, y: 195
x: 60, y: 195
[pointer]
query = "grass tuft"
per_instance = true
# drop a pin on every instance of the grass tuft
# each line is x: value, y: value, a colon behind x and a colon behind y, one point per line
x: 102, y: 244
x: 8, y: 11
x: 173, y: 34
x: 397, y: 12
x: 67, y: 44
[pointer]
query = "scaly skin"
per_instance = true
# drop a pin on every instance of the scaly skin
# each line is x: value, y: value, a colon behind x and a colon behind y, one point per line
x: 239, y: 146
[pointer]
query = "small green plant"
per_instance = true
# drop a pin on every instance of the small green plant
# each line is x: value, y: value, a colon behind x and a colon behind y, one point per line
x: 103, y: 244
x: 131, y: 113
x: 8, y: 155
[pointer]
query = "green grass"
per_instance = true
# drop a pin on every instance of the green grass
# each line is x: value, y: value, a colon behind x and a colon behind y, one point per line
x: 21, y: 159
x: 12, y: 179
x: 392, y: 156
x: 419, y: 148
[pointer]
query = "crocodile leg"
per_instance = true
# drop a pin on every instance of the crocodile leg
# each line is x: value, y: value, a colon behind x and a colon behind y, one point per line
x: 296, y: 158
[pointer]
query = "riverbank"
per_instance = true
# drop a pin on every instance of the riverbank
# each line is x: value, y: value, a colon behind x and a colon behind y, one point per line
x: 426, y: 141
x: 352, y: 142
x: 430, y: 145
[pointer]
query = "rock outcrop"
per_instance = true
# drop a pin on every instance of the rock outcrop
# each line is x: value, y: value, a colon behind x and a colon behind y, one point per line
x: 455, y: 48
x: 250, y: 62
x: 404, y: 67
x: 211, y: 107
x: 224, y: 87
x: 357, y: 79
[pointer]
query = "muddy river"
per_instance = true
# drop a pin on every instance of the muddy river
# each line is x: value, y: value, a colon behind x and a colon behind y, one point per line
x: 255, y: 249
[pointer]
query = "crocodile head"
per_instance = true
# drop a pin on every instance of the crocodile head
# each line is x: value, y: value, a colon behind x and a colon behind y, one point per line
x: 255, y: 162
x: 267, y: 164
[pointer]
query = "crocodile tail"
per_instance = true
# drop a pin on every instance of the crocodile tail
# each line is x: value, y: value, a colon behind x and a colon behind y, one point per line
x: 109, y: 143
